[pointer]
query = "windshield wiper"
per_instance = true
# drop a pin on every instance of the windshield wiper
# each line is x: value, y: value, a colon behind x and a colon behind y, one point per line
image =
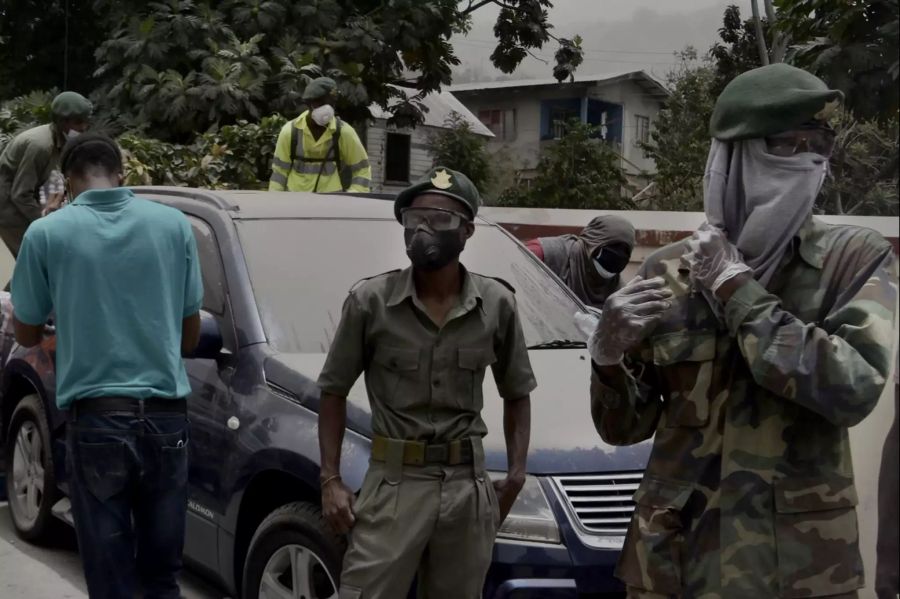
x: 559, y: 344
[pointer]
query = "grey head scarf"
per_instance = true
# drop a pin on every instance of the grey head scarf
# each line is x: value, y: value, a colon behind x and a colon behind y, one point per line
x: 760, y: 200
x: 570, y: 257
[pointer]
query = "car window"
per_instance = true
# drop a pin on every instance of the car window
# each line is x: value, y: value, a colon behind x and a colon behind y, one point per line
x: 302, y: 269
x: 213, y: 274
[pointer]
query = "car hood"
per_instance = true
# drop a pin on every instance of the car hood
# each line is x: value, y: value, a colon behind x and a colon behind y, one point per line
x: 563, y: 438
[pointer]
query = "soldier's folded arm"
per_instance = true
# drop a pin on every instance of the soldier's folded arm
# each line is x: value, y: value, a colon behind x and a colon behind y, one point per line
x: 27, y: 180
x: 836, y: 368
x: 625, y: 399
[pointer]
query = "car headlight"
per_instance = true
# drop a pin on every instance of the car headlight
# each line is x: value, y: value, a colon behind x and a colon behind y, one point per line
x: 531, y: 518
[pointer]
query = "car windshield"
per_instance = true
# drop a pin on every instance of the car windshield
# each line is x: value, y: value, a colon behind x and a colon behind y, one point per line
x: 302, y: 269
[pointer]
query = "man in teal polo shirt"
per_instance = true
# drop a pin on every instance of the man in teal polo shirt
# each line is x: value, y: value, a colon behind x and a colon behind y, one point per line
x: 121, y: 274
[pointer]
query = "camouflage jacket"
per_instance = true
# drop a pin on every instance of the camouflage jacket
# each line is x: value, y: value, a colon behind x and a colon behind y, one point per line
x: 749, y: 490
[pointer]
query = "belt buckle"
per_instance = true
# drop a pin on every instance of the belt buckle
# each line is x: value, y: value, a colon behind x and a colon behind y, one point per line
x: 414, y: 453
x: 436, y: 454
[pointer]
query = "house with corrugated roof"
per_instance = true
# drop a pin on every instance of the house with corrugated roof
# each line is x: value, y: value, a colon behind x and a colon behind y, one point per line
x: 526, y: 116
x: 400, y: 156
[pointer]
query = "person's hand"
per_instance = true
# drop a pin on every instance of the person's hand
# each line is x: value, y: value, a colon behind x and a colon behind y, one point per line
x: 712, y: 259
x: 628, y: 316
x: 54, y: 202
x: 337, y: 506
x: 507, y: 490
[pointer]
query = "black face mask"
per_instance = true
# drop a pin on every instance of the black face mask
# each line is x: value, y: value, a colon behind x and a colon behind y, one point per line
x: 433, y: 250
x: 613, y: 259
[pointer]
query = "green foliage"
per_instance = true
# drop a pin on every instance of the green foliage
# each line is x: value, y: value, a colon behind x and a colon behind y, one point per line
x: 235, y: 157
x: 35, y: 52
x: 459, y: 148
x: 22, y: 113
x: 853, y: 46
x: 864, y: 169
x: 180, y: 67
x: 679, y: 142
x: 737, y: 52
x: 577, y: 171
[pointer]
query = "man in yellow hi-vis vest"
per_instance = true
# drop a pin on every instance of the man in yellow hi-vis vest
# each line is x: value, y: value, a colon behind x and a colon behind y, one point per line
x: 318, y: 151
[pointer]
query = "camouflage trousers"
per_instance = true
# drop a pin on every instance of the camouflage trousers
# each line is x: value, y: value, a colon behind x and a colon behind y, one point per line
x: 437, y: 522
x: 636, y: 593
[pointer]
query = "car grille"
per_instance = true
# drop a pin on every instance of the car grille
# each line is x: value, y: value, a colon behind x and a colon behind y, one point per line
x: 602, y: 503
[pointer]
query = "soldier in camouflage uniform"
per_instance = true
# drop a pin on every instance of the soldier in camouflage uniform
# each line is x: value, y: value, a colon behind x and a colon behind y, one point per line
x: 748, y: 351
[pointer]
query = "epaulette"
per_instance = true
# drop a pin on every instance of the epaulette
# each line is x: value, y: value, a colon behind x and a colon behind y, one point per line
x: 498, y: 279
x: 361, y: 281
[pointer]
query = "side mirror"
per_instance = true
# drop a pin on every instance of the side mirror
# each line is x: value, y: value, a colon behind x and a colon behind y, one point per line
x: 210, y: 345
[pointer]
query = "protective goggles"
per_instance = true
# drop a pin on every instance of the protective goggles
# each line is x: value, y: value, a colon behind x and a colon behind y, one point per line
x: 818, y: 139
x: 437, y: 219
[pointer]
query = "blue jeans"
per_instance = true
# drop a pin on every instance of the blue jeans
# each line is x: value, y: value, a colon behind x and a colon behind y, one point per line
x: 128, y: 488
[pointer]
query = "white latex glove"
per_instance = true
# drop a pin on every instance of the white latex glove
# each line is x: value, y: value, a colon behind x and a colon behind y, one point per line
x: 628, y: 316
x: 712, y: 259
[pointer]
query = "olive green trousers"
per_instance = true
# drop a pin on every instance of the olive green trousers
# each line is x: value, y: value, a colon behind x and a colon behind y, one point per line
x: 435, y: 521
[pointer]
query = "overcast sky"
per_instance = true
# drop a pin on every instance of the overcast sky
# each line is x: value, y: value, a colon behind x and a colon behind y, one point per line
x: 619, y: 35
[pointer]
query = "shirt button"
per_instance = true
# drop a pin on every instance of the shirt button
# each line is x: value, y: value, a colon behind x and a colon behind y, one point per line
x: 436, y: 382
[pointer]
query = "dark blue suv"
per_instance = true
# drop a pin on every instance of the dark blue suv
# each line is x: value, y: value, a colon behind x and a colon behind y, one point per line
x: 276, y: 269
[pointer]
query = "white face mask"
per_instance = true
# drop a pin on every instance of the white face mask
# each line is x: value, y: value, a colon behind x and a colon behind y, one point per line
x: 323, y: 114
x: 605, y: 274
x: 72, y: 134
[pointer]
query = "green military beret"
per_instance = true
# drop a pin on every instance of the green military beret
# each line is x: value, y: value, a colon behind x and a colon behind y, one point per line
x: 770, y: 100
x: 71, y: 105
x: 319, y: 88
x: 443, y: 181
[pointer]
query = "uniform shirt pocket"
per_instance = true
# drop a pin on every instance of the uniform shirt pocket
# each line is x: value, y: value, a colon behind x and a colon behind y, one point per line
x: 473, y: 361
x: 685, y: 360
x: 817, y: 536
x: 395, y: 377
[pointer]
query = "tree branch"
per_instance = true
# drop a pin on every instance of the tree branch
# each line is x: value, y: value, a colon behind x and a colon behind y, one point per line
x: 760, y: 39
x: 780, y: 39
x: 473, y: 7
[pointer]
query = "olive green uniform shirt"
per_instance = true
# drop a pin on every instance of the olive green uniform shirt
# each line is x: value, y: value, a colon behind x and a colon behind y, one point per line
x: 26, y: 163
x: 749, y: 491
x: 424, y: 381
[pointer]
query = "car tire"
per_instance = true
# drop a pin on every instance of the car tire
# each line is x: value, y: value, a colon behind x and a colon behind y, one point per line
x: 295, y: 536
x: 31, y: 479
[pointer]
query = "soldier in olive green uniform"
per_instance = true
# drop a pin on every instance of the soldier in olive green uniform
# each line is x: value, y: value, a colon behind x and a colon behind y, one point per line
x: 424, y: 336
x: 748, y: 351
x: 28, y: 160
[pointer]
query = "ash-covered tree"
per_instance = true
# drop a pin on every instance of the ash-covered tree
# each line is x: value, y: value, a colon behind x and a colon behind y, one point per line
x: 580, y: 170
x: 181, y: 66
x: 459, y: 148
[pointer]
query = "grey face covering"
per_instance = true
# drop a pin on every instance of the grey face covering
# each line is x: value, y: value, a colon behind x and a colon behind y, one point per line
x: 760, y: 200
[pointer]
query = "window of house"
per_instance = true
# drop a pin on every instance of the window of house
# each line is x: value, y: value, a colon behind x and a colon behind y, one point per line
x: 502, y: 123
x: 642, y: 129
x: 396, y: 158
x: 559, y: 119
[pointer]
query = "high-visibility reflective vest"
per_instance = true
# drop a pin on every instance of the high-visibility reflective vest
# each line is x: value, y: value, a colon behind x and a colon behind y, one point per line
x: 313, y: 164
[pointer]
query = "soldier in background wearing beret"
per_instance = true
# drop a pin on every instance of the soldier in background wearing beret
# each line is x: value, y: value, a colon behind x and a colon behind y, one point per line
x: 424, y: 337
x: 748, y: 350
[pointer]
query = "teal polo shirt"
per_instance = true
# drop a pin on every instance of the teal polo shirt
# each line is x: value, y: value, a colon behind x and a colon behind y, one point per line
x: 121, y: 273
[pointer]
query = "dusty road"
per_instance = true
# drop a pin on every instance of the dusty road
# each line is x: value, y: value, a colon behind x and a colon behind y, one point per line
x: 30, y: 572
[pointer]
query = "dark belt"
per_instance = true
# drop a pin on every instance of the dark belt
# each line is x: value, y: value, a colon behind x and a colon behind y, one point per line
x: 419, y: 453
x: 153, y: 405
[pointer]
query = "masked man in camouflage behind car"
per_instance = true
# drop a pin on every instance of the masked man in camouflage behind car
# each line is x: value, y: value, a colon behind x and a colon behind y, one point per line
x: 748, y: 350
x: 424, y: 337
